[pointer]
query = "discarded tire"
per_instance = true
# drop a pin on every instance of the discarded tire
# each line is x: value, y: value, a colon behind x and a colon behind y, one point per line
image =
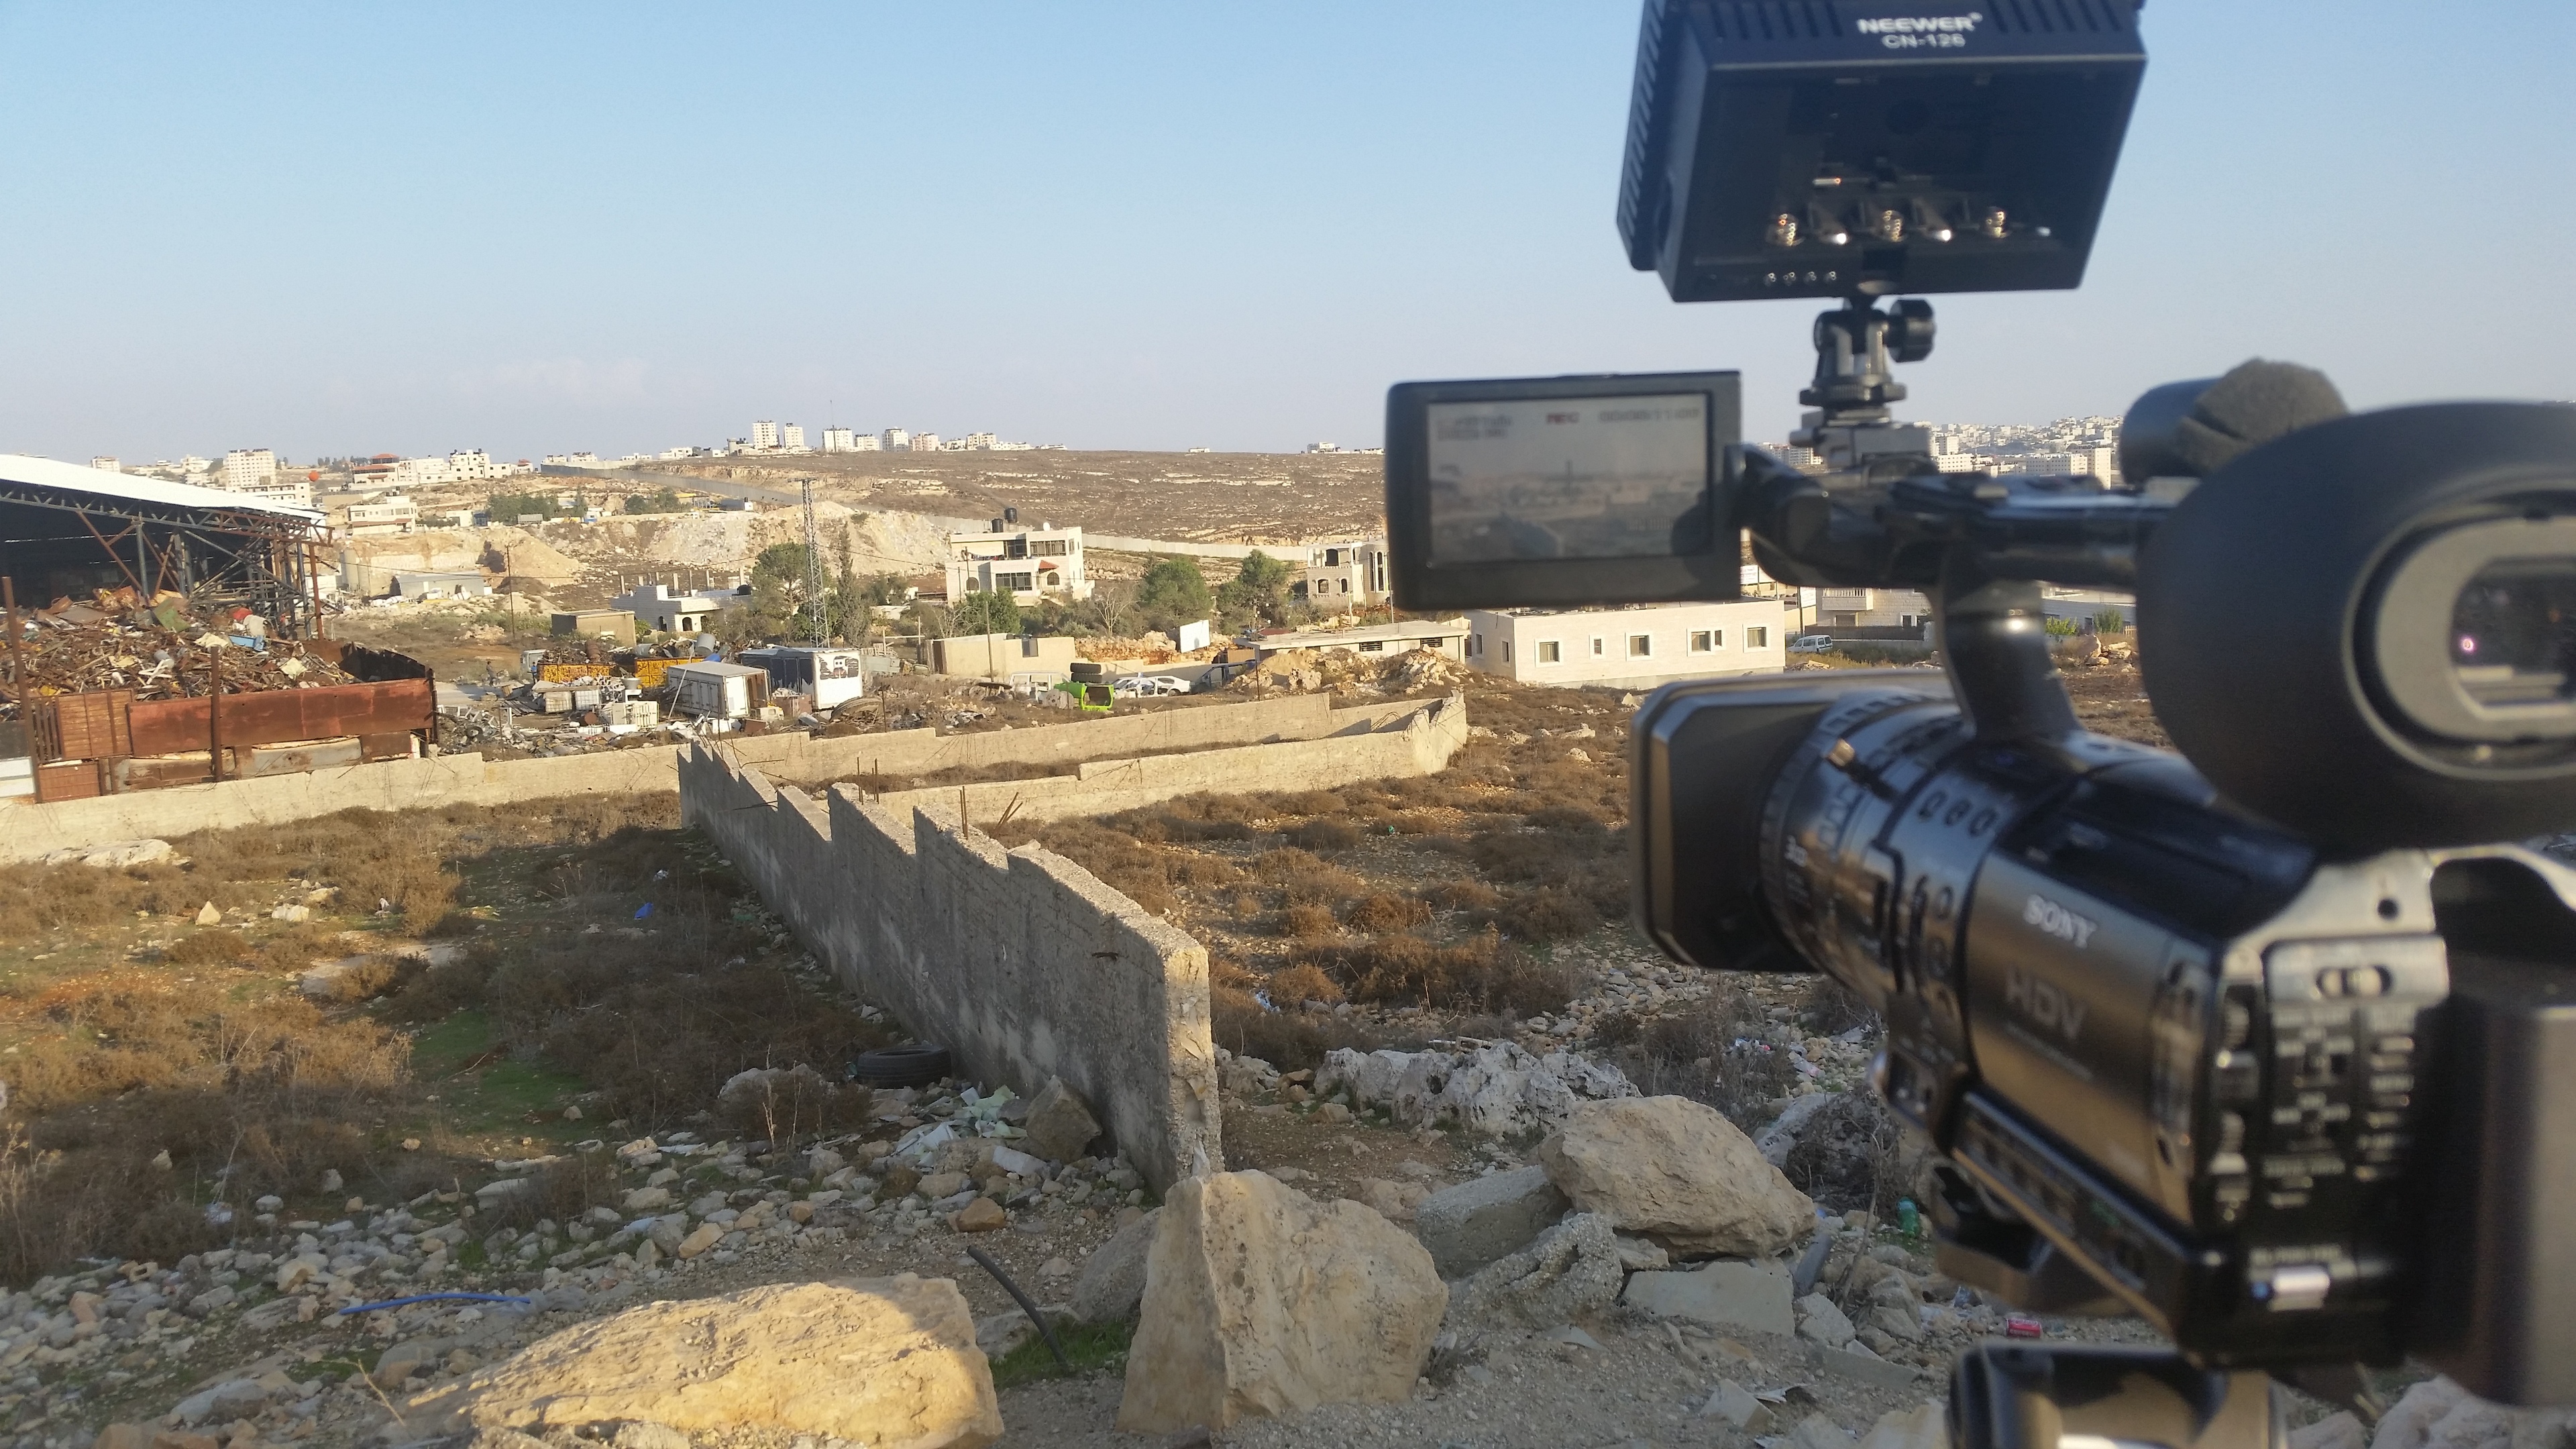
x: 1087, y: 671
x: 916, y: 1065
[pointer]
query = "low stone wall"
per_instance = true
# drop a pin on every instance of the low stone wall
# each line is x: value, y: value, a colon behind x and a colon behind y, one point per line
x: 1417, y: 741
x: 29, y: 830
x: 1023, y: 964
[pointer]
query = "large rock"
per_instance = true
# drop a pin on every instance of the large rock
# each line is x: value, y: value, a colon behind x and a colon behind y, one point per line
x: 1725, y: 1294
x: 2439, y: 1414
x: 889, y: 1362
x: 1570, y: 1270
x: 1474, y: 1223
x: 1495, y: 1090
x: 1260, y: 1301
x: 1926, y: 1428
x: 1060, y: 1123
x: 1821, y: 1322
x: 1676, y: 1171
x: 114, y: 855
x: 1113, y: 1281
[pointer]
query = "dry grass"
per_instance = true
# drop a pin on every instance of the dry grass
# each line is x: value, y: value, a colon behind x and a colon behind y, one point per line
x: 1694, y: 1053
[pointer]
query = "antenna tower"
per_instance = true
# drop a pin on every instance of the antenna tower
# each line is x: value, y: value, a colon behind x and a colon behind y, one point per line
x: 814, y: 594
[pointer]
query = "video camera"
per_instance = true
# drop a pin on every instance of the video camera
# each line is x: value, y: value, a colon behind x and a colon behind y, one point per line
x: 2274, y: 1042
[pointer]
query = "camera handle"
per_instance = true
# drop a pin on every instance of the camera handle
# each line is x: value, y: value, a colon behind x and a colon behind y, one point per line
x: 2006, y: 1395
x: 1993, y: 637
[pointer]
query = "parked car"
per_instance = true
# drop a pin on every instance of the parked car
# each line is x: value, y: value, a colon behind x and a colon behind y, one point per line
x: 1811, y: 644
x: 1141, y: 685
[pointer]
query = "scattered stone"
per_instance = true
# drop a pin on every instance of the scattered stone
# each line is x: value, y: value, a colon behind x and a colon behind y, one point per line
x: 648, y: 1199
x: 1333, y: 1114
x: 1735, y: 1404
x: 207, y: 915
x: 706, y: 1236
x: 1818, y: 1432
x: 2334, y: 1431
x: 1474, y: 1223
x: 1639, y: 1255
x: 1113, y: 1282
x: 1926, y: 1428
x: 1678, y: 1172
x: 1728, y: 1293
x: 1898, y: 1323
x: 292, y: 913
x: 886, y: 1361
x: 225, y: 1402
x: 123, y: 1436
x: 1819, y: 1321
x: 983, y: 1215
x: 331, y: 1180
x: 1003, y: 1332
x: 1395, y: 1200
x: 2439, y: 1414
x: 1060, y: 1125
x: 1571, y: 1269
x: 1863, y: 1368
x: 1494, y: 1090
x: 411, y: 1358
x: 644, y: 1435
x: 114, y: 855
x: 1260, y: 1301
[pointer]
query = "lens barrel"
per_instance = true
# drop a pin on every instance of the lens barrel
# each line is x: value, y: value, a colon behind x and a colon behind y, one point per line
x: 2365, y: 631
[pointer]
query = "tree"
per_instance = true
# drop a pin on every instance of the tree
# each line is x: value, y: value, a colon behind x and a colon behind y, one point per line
x: 1256, y: 595
x: 509, y: 507
x: 1174, y: 593
x: 985, y: 613
x: 779, y: 606
x: 666, y: 501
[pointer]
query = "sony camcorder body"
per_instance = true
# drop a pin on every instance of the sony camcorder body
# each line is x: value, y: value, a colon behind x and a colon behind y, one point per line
x: 2274, y: 1041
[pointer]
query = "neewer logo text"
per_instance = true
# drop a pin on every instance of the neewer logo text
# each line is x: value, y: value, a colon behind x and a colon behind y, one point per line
x: 1922, y: 24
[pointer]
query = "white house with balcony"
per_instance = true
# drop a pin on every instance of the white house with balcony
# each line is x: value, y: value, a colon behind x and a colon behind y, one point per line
x: 1029, y: 564
x: 1630, y: 648
x: 667, y: 610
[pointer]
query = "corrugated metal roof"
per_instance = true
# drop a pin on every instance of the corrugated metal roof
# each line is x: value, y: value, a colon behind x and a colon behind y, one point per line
x: 109, y: 487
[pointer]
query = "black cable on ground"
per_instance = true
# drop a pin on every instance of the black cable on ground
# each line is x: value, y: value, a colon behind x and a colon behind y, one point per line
x: 985, y: 1260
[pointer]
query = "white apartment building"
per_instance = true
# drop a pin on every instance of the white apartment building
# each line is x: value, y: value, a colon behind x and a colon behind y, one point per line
x: 392, y: 513
x: 1632, y: 648
x: 1029, y: 564
x: 106, y: 464
x: 192, y: 465
x: 1344, y: 576
x: 925, y: 442
x: 839, y: 440
x: 472, y: 464
x: 246, y: 469
x: 670, y: 610
x: 979, y: 442
x: 791, y: 436
x: 896, y: 440
x: 764, y: 434
x: 1872, y: 608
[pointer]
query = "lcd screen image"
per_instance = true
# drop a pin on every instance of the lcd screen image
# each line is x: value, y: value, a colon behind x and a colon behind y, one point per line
x: 1587, y: 477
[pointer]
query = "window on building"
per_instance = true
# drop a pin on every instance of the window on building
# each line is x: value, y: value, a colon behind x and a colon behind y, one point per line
x: 1703, y: 640
x: 1507, y: 651
x: 1015, y: 548
x: 1475, y: 645
x: 1028, y: 646
x: 1641, y: 646
x: 1051, y: 547
x: 1373, y: 646
x: 1550, y: 652
x: 1015, y: 581
x: 1600, y: 648
x: 1757, y: 638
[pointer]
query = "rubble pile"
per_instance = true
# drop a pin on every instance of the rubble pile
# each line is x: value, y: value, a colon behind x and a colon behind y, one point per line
x: 159, y: 648
x: 1493, y: 1089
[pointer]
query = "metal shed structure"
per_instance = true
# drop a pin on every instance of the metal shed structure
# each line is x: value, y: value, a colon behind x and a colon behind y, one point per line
x: 66, y: 529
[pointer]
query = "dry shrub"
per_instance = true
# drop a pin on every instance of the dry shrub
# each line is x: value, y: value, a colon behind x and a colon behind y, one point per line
x: 1478, y: 974
x: 1244, y: 906
x: 1384, y: 912
x: 783, y: 1105
x: 1829, y: 1008
x: 1284, y: 864
x: 562, y: 1190
x: 1569, y: 819
x: 1322, y: 834
x: 1293, y: 985
x: 1288, y: 1039
x: 212, y: 947
x: 1201, y: 870
x: 1325, y: 885
x: 1465, y: 895
x: 1301, y: 802
x: 1306, y: 922
x: 436, y: 993
x: 1694, y: 1053
x: 1546, y: 914
x: 372, y: 976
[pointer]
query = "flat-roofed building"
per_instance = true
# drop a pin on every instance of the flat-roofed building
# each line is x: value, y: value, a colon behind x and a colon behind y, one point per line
x: 1029, y: 564
x: 1341, y: 576
x: 1629, y: 648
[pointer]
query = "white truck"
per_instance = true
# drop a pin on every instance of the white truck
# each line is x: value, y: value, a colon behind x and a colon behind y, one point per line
x: 712, y: 689
x: 832, y: 677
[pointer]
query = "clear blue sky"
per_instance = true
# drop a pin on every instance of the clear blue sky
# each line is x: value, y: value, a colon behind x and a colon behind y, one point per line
x: 533, y: 228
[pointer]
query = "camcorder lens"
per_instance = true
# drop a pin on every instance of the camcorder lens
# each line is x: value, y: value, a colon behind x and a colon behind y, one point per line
x: 2513, y: 633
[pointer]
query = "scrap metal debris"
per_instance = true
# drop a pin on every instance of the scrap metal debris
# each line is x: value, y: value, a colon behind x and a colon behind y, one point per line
x: 161, y: 648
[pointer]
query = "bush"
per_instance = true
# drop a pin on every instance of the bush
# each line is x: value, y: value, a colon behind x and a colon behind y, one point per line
x: 1465, y: 895
x: 1293, y: 985
x: 1383, y: 912
x: 1546, y: 914
x: 1323, y: 834
x: 214, y: 946
x: 1306, y: 922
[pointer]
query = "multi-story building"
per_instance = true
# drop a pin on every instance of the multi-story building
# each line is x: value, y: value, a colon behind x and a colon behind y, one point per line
x: 979, y: 442
x: 467, y: 465
x: 106, y: 464
x: 1630, y: 648
x: 246, y: 469
x: 1029, y: 564
x: 896, y: 440
x: 672, y: 611
x: 194, y: 466
x: 392, y: 513
x: 839, y: 440
x: 1872, y: 609
x: 1345, y: 576
x: 764, y: 434
x: 791, y: 436
x: 925, y: 442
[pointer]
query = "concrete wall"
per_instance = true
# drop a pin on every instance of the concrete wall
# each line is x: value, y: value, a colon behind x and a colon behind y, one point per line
x: 1020, y: 962
x: 1417, y: 741
x: 29, y: 830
